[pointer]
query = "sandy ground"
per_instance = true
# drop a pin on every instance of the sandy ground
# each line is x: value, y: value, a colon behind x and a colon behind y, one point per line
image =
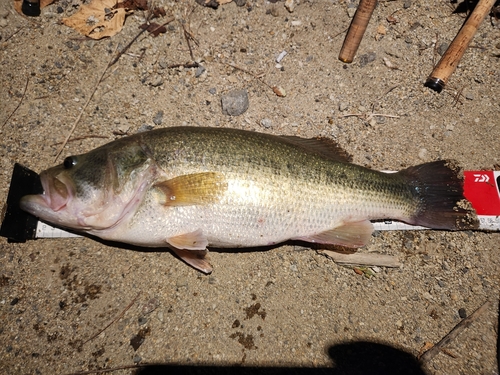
x: 288, y: 309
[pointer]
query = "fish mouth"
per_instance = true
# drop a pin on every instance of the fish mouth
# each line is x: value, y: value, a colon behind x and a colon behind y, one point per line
x: 57, y: 192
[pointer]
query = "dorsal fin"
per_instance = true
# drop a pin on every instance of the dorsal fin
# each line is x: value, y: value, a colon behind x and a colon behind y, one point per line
x: 325, y: 147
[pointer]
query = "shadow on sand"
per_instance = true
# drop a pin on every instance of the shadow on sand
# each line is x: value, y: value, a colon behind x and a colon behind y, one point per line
x: 354, y: 358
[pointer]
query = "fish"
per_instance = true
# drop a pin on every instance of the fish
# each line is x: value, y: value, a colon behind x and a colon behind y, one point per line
x: 191, y: 188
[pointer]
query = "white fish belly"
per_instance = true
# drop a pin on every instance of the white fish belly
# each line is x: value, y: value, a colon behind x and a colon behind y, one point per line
x: 249, y: 215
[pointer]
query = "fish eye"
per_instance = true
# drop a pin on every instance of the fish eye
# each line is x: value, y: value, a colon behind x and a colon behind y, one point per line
x: 69, y: 162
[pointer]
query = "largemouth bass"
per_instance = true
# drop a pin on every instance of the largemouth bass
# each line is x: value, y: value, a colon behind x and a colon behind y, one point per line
x: 187, y: 188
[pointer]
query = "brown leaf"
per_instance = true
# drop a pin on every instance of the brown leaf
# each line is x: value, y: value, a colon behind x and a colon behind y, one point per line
x: 159, y: 12
x: 154, y: 28
x: 98, y: 19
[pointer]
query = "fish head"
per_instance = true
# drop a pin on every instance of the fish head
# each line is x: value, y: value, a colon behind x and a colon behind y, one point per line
x: 92, y: 191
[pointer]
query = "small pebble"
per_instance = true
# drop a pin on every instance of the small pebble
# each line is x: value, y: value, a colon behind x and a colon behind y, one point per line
x: 290, y: 5
x: 422, y: 154
x: 406, y: 4
x: 144, y: 128
x: 212, y: 91
x: 462, y: 313
x: 137, y: 358
x: 201, y: 69
x: 235, y: 103
x: 281, y: 56
x: 158, y: 119
x: 367, y: 58
x: 267, y: 123
x: 142, y: 320
x: 163, y: 64
x: 156, y: 81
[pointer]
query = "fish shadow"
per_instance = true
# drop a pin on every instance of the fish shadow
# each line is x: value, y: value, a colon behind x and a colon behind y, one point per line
x: 296, y: 244
x: 350, y: 358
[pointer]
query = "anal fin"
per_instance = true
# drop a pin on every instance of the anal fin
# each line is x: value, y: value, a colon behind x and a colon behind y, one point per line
x: 350, y: 234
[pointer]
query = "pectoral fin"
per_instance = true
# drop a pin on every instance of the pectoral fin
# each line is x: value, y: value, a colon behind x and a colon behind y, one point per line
x: 195, y: 258
x: 353, y: 234
x: 191, y: 189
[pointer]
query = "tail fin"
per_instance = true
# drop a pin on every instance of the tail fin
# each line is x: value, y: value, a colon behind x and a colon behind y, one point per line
x: 438, y: 189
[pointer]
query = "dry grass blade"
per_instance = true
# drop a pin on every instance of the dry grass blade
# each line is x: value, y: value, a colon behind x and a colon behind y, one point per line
x: 19, y: 104
x: 114, y: 320
x: 83, y: 109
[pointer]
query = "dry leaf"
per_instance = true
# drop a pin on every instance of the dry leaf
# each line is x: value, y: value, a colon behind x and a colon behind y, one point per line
x: 98, y: 19
x: 381, y: 30
x: 392, y: 20
x: 19, y: 3
x: 159, y: 12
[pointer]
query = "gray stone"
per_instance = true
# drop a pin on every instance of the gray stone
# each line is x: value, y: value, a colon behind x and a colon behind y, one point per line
x: 201, y: 69
x: 235, y: 103
x: 267, y: 123
x: 158, y: 119
x: 367, y: 58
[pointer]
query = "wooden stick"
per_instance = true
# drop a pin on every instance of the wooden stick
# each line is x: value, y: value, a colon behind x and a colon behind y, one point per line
x: 449, y: 61
x: 431, y: 353
x: 357, y: 30
x: 363, y: 259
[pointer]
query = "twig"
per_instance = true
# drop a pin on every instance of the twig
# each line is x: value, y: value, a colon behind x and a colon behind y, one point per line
x: 84, y: 107
x: 431, y: 353
x: 256, y: 76
x: 22, y: 98
x: 124, y: 49
x: 15, y: 32
x: 187, y: 34
x: 114, y: 320
x: 388, y: 91
x: 456, y: 98
x: 189, y: 37
x: 363, y: 259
